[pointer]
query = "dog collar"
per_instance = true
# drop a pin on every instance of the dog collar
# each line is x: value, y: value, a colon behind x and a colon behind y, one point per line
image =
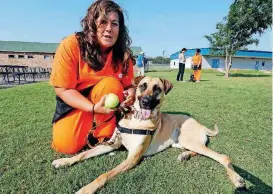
x: 135, y: 131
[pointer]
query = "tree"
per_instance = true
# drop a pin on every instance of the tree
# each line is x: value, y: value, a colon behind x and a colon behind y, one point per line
x: 245, y: 18
x: 160, y: 60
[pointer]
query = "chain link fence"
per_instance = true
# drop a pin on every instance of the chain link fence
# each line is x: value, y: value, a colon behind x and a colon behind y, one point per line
x: 157, y: 67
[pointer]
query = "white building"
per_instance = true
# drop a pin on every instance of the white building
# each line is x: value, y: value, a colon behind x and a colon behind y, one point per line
x: 243, y: 59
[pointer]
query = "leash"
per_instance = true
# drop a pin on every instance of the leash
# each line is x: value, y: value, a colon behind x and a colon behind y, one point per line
x: 96, y: 141
x: 90, y: 138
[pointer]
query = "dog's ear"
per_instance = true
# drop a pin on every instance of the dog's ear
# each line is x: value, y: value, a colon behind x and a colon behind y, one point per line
x: 167, y: 85
x: 138, y: 79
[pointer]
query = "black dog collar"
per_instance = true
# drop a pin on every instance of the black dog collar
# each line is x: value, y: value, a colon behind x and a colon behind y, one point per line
x: 135, y: 131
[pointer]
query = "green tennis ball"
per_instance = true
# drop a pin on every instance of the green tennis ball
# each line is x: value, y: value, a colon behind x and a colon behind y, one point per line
x: 111, y: 101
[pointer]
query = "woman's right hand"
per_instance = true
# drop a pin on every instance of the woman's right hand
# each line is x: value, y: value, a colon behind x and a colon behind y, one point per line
x: 99, y: 107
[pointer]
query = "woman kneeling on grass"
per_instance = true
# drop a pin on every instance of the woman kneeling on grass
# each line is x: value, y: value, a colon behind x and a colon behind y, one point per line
x: 87, y: 66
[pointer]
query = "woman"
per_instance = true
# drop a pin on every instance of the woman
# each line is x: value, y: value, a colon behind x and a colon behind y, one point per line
x: 182, y: 61
x: 197, y: 65
x: 87, y: 66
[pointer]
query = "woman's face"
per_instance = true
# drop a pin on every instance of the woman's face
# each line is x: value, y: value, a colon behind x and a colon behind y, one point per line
x: 107, y: 30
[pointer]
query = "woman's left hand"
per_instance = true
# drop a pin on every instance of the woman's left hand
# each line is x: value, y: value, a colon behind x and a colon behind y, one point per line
x: 130, y: 96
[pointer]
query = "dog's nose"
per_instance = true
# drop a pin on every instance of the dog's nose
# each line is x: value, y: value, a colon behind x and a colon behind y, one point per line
x: 146, y: 101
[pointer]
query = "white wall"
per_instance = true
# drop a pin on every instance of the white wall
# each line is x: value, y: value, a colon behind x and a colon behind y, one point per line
x: 237, y: 63
x: 248, y: 63
x: 174, y: 64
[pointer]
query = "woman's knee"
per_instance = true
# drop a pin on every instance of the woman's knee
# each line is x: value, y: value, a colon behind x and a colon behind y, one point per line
x: 105, y: 86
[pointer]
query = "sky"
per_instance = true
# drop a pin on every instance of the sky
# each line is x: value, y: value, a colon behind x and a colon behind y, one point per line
x: 157, y: 26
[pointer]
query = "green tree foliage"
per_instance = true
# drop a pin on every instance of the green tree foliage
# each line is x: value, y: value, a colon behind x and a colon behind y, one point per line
x: 160, y: 60
x: 245, y: 18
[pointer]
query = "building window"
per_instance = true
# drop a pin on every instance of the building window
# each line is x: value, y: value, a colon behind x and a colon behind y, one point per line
x: 21, y: 56
x: 263, y: 63
x: 30, y: 57
x: 46, y: 57
x: 11, y: 56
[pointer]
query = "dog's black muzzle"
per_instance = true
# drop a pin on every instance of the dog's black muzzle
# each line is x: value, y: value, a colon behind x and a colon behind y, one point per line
x: 148, y: 102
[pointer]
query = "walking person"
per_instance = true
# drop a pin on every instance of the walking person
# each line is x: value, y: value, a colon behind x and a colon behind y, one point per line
x: 182, y: 62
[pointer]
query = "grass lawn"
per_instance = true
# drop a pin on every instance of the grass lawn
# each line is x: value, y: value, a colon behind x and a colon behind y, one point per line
x: 240, y: 105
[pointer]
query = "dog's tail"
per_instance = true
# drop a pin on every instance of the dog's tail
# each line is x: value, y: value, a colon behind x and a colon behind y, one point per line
x: 210, y: 132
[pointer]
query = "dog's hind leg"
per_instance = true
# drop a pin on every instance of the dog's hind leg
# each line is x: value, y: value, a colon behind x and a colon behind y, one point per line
x: 237, y: 180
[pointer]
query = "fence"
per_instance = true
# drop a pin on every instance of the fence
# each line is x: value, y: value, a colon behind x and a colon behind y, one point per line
x: 157, y: 67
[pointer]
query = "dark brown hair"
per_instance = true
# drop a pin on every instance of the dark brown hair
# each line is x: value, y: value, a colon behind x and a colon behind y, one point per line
x: 87, y: 38
x: 183, y: 49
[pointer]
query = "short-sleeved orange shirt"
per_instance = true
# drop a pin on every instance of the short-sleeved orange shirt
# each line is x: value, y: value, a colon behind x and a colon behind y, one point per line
x: 197, y: 59
x: 71, y: 72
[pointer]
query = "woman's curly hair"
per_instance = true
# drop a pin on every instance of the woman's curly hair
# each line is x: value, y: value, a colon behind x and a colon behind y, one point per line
x: 87, y: 38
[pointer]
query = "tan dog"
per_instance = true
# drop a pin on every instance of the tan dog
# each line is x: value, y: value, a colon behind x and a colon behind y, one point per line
x: 146, y: 131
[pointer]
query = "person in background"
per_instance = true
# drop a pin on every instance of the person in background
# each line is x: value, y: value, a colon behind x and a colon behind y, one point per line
x: 140, y: 64
x: 197, y: 64
x: 182, y: 62
x: 87, y: 66
x: 146, y: 66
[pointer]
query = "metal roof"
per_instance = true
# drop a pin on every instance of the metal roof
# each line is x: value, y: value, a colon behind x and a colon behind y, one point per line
x: 38, y: 47
x: 239, y: 53
x: 17, y: 46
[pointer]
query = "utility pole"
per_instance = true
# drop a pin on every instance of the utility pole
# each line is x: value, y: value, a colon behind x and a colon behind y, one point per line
x: 163, y: 57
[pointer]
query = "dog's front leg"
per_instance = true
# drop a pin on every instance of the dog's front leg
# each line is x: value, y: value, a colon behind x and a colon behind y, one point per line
x: 113, y: 143
x: 130, y: 162
x: 96, y: 151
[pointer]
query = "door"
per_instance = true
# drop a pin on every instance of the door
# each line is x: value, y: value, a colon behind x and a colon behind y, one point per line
x: 257, y: 65
x: 215, y: 63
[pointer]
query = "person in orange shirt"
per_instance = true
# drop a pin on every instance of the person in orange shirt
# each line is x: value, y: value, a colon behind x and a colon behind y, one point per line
x: 197, y: 64
x: 87, y: 66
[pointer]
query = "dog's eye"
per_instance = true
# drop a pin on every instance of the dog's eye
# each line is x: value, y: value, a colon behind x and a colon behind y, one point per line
x: 156, y: 89
x: 143, y: 87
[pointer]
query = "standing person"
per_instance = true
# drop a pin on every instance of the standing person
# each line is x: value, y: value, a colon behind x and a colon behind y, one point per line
x: 87, y: 66
x: 182, y: 62
x: 146, y: 67
x: 197, y: 63
x: 140, y: 64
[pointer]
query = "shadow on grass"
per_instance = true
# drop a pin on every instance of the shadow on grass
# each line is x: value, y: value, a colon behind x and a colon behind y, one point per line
x: 244, y: 75
x: 258, y: 186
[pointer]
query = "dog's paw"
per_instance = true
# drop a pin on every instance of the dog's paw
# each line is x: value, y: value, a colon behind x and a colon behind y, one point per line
x: 60, y: 162
x: 239, y: 183
x: 183, y: 157
x: 112, y: 154
x: 79, y: 192
x: 88, y: 189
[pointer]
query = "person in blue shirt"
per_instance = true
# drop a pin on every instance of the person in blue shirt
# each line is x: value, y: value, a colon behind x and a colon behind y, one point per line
x: 140, y: 64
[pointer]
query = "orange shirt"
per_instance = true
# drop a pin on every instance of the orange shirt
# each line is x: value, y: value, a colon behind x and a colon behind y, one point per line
x: 197, y: 59
x: 71, y: 72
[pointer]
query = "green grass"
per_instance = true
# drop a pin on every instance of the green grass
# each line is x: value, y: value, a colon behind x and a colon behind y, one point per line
x: 241, y: 107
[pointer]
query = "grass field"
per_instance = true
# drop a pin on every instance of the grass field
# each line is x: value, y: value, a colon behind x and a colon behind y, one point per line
x: 241, y: 107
